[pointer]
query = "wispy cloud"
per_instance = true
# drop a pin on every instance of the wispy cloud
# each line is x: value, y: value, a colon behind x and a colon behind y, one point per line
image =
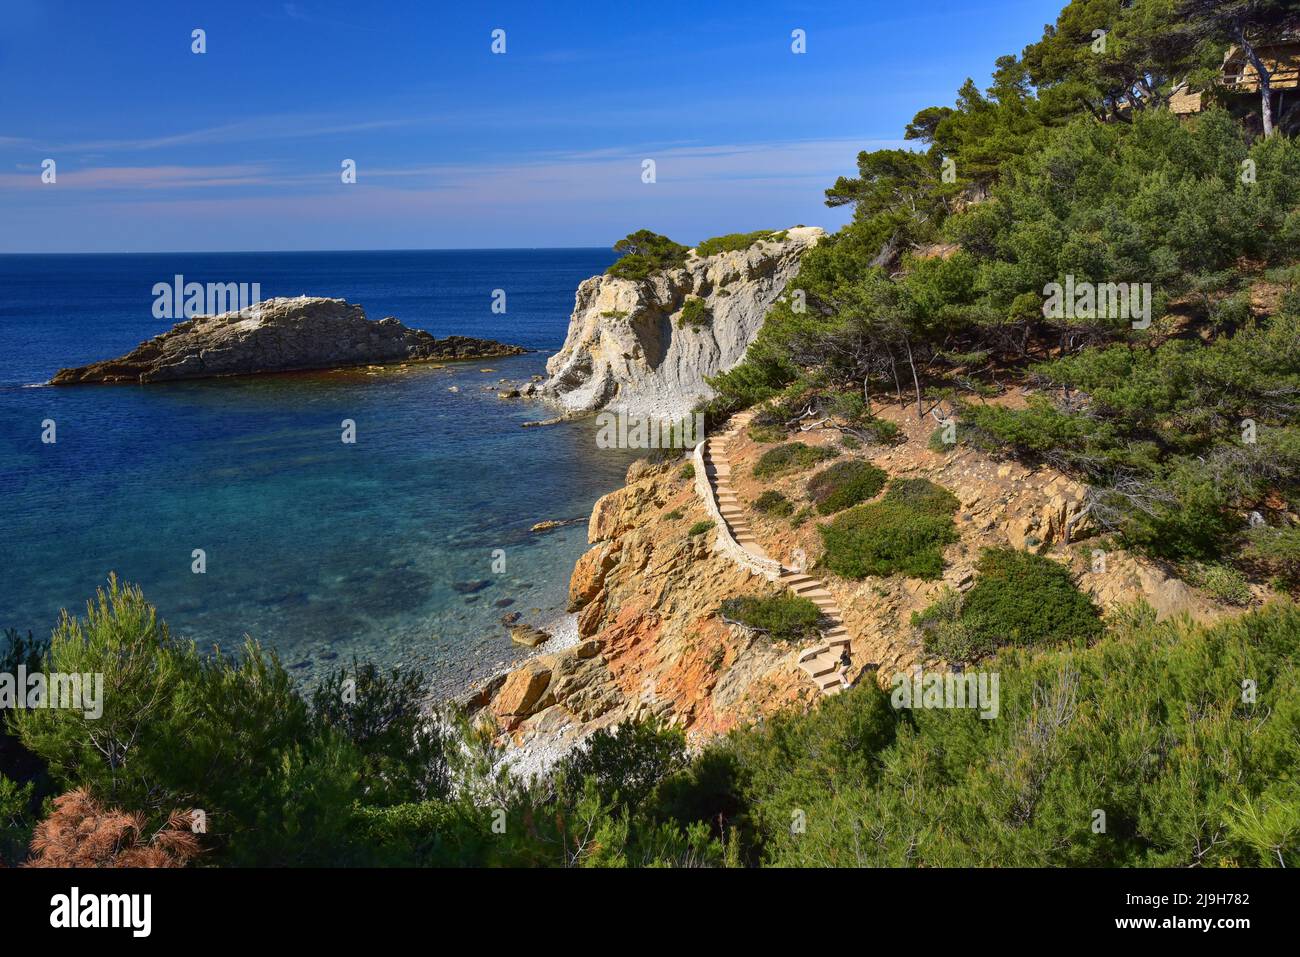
x: 244, y: 131
x: 142, y: 178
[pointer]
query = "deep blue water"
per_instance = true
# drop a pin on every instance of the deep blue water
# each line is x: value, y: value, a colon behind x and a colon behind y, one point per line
x: 317, y: 548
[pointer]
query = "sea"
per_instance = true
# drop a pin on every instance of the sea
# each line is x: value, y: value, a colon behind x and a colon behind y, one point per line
x: 236, y: 505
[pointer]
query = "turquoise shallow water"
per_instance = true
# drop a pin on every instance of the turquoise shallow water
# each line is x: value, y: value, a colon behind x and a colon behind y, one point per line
x: 319, y: 549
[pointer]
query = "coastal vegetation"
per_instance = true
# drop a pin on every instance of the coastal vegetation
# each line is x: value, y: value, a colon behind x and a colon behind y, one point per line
x: 887, y: 538
x: 782, y: 616
x: 842, y: 484
x: 789, y: 457
x: 734, y: 242
x: 645, y: 253
x: 695, y: 314
x: 1018, y: 598
x: 1169, y: 382
x: 772, y: 502
x: 284, y: 782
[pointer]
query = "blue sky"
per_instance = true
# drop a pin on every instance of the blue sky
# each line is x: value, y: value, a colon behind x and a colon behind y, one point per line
x: 239, y: 148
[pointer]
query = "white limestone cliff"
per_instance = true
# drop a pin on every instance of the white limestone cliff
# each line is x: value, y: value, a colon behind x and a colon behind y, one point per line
x: 627, y: 350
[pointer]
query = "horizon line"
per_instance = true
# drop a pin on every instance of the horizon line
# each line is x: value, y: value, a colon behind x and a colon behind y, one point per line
x: 255, y: 252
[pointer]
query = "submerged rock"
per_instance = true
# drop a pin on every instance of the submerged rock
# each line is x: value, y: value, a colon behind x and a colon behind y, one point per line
x: 279, y: 335
x: 470, y: 587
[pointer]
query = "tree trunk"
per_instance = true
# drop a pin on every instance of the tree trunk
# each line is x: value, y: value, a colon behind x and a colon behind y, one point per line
x: 920, y: 413
x: 1265, y: 83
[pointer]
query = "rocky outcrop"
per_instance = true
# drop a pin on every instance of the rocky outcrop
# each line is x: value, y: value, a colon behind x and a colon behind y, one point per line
x: 647, y: 593
x: 650, y: 639
x: 627, y: 348
x: 279, y: 335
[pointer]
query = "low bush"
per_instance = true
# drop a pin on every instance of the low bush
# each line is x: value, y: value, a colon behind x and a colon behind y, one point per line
x: 699, y: 528
x: 1276, y: 550
x: 944, y: 632
x: 855, y: 417
x: 695, y: 313
x: 922, y: 495
x: 1223, y: 582
x: 1024, y: 599
x: 736, y: 241
x: 773, y: 502
x: 790, y: 457
x: 886, y: 538
x: 674, y: 516
x: 937, y: 444
x: 845, y: 484
x: 783, y: 617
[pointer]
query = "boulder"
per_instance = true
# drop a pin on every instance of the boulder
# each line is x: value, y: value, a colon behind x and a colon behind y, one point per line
x: 523, y: 693
x: 528, y: 636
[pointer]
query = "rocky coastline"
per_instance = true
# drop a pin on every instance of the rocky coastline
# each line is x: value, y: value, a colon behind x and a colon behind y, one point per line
x: 650, y: 640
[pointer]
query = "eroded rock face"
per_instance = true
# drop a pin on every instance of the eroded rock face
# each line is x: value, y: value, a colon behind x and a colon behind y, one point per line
x: 626, y: 350
x: 279, y: 335
x: 647, y: 594
x: 650, y: 637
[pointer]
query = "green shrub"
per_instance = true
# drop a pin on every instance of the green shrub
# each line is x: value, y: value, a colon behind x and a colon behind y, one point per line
x: 736, y: 241
x: 886, y: 538
x: 922, y: 495
x: 773, y: 502
x: 687, y: 472
x: 944, y: 632
x: 425, y: 834
x: 674, y: 516
x: 695, y: 313
x: 802, y: 516
x: 790, y: 457
x: 855, y: 417
x: 844, y: 484
x: 645, y: 253
x: 613, y: 314
x: 1223, y: 582
x: 1126, y: 724
x: 402, y: 749
x: 783, y: 617
x: 765, y: 434
x: 938, y: 445
x: 626, y: 763
x: 1276, y: 550
x: 699, y: 528
x: 179, y: 729
x: 1022, y: 598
